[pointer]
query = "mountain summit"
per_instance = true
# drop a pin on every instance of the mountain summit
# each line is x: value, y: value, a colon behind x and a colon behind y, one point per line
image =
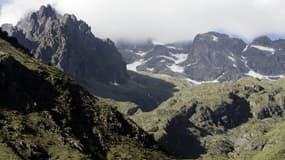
x: 95, y: 64
x: 69, y: 44
x: 210, y: 57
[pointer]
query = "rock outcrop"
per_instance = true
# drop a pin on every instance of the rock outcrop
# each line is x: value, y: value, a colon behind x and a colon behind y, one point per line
x: 69, y: 44
x: 96, y: 64
x: 241, y: 119
x: 44, y: 114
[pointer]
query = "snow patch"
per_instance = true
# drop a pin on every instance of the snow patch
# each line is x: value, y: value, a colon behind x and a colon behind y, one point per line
x: 263, y: 48
x: 156, y: 43
x: 203, y: 82
x: 254, y: 74
x: 166, y: 57
x: 150, y: 69
x: 133, y: 66
x: 215, y: 38
x: 232, y: 58
x: 245, y: 49
x: 192, y: 64
x: 142, y: 53
x: 180, y: 57
x: 115, y: 84
x: 171, y: 47
x: 194, y: 81
x: 176, y: 68
x: 176, y: 58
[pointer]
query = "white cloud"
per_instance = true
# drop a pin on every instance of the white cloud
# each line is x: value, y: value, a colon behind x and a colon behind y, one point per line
x: 165, y: 20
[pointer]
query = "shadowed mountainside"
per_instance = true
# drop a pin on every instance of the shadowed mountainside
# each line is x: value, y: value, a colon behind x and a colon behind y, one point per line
x: 241, y: 119
x: 46, y: 115
x: 95, y: 64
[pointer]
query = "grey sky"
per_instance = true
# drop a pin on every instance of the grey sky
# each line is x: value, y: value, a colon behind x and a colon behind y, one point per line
x: 165, y: 20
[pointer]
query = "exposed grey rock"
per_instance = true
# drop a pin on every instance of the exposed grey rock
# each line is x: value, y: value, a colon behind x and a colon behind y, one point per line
x: 155, y: 57
x: 215, y: 56
x: 266, y: 56
x: 211, y: 56
x: 69, y: 43
x: 95, y: 64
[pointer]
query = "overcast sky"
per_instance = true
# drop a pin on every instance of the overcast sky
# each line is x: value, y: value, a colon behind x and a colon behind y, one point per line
x: 164, y: 20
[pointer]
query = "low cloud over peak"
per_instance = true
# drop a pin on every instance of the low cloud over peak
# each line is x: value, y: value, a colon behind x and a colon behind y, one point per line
x: 163, y: 20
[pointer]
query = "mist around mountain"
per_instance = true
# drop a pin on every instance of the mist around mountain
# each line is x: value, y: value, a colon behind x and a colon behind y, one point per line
x: 210, y: 57
x: 94, y: 63
x: 47, y: 115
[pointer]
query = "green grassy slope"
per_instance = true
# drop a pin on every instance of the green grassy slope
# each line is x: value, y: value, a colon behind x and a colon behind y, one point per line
x: 46, y: 115
x: 241, y: 119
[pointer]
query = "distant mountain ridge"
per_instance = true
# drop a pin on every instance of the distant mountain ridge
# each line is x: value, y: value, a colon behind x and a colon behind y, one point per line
x: 210, y: 57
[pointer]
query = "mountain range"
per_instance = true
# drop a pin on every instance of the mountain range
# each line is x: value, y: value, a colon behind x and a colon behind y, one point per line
x: 210, y: 57
x: 96, y: 64
x: 144, y: 106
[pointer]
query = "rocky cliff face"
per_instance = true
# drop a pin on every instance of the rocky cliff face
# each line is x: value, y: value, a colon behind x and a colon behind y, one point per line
x: 211, y: 57
x: 266, y: 56
x: 215, y: 56
x: 46, y: 115
x: 95, y: 64
x: 69, y: 43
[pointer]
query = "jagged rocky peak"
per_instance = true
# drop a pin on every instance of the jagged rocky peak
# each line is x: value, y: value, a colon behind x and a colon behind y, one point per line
x: 215, y: 57
x: 210, y: 36
x: 47, y: 11
x: 7, y: 27
x: 262, y: 40
x: 222, y: 40
x: 266, y: 56
x: 38, y: 19
x: 211, y: 56
x: 68, y: 43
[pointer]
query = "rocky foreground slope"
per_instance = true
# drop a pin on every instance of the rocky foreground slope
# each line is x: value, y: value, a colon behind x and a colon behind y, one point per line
x: 238, y: 120
x: 46, y: 115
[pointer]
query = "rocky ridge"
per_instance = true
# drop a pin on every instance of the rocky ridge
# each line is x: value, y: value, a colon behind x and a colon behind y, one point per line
x: 210, y: 57
x: 44, y: 114
x: 95, y: 64
x: 68, y: 43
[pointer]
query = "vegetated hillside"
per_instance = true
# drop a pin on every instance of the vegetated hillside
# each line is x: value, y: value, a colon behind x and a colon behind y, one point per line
x: 241, y: 119
x: 46, y: 115
x: 96, y: 64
